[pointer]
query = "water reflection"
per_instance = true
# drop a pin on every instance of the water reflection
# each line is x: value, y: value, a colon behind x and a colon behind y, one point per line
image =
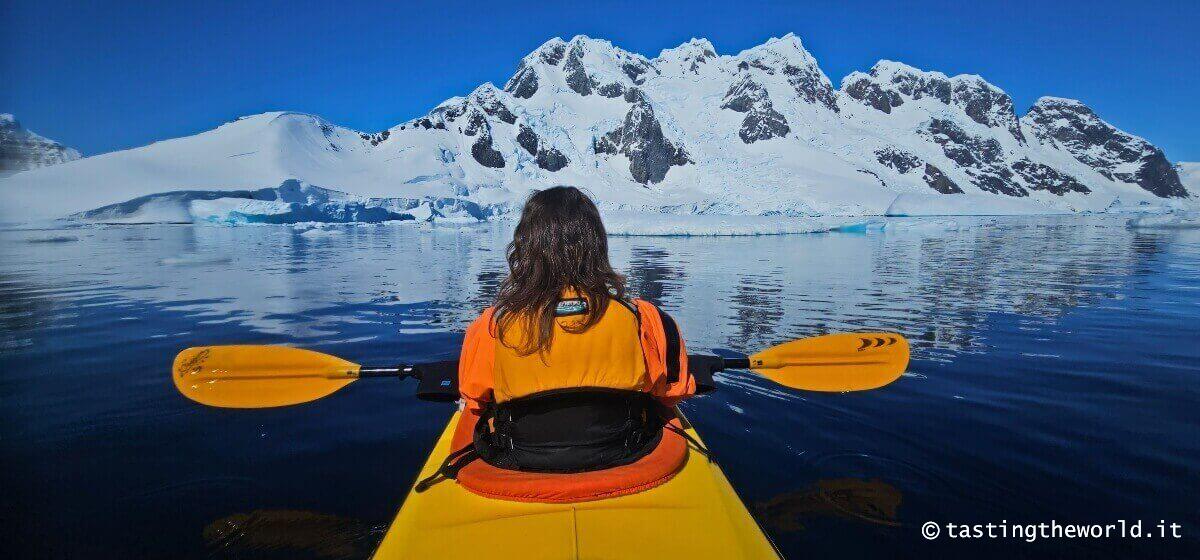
x: 870, y: 501
x: 652, y: 273
x: 292, y: 534
x: 1040, y: 346
x: 935, y: 286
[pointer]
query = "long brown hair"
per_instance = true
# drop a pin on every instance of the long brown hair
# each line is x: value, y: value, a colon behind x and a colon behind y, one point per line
x: 559, y: 244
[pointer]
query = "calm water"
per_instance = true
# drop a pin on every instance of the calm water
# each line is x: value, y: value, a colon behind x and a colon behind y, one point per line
x: 1054, y: 377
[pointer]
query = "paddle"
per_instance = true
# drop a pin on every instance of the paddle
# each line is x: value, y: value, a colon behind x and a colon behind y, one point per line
x: 246, y: 376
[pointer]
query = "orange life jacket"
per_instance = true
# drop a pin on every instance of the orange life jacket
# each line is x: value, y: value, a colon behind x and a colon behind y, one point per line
x: 633, y: 347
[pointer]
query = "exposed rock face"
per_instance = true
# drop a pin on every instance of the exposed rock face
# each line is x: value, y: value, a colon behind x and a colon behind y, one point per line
x: 904, y: 162
x: 547, y: 158
x: 21, y: 149
x: 552, y: 52
x: 762, y: 121
x: 980, y: 158
x: 987, y: 105
x: 897, y: 159
x: 488, y: 101
x: 914, y: 83
x: 939, y: 182
x: 869, y: 92
x: 1039, y: 176
x: 551, y: 159
x: 694, y: 54
x: 528, y: 139
x: 610, y: 90
x: 484, y: 99
x: 811, y: 85
x: 376, y: 138
x: 1071, y: 126
x: 524, y: 83
x: 577, y: 77
x: 641, y: 139
x: 890, y: 83
x: 786, y: 56
x: 636, y: 72
x: 482, y: 150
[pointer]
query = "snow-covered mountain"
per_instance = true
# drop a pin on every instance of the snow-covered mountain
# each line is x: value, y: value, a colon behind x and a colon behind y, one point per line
x: 690, y: 131
x: 22, y: 149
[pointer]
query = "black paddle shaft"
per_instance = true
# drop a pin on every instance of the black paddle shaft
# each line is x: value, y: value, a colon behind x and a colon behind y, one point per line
x: 438, y: 381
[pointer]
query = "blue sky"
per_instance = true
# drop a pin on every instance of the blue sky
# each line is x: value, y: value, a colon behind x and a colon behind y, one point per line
x: 105, y: 76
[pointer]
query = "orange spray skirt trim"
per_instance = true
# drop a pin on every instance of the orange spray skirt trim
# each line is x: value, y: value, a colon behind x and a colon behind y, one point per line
x: 654, y: 469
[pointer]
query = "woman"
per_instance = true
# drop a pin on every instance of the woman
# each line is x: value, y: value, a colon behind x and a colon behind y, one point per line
x: 563, y: 373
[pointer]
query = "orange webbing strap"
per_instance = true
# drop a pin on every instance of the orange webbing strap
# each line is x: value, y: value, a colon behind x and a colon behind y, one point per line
x: 665, y: 353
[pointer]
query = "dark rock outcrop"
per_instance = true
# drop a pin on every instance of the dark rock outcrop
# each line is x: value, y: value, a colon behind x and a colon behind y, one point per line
x: 21, y: 149
x: 553, y: 54
x: 636, y: 72
x: 762, y: 121
x: 640, y: 138
x: 889, y: 83
x: 482, y: 150
x: 547, y: 158
x: 904, y: 162
x: 1039, y: 176
x: 919, y: 85
x: 485, y: 154
x: 524, y: 83
x: 378, y: 137
x: 987, y: 105
x: 1074, y: 128
x: 551, y: 159
x: 897, y: 159
x: 494, y: 107
x: 528, y: 139
x: 611, y: 90
x: 869, y: 92
x: 811, y: 85
x: 576, y: 73
x: 980, y: 158
x: 939, y: 182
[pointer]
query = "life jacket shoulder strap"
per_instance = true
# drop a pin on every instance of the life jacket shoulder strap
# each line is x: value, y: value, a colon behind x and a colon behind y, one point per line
x: 673, y: 344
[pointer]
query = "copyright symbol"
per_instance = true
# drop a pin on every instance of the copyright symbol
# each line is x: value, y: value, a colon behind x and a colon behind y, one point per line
x: 930, y: 530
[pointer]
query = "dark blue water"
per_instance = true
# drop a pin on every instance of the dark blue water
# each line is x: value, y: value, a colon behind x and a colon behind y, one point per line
x: 1054, y: 377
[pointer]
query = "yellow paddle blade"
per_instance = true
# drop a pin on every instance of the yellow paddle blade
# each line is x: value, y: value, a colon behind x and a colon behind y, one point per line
x: 835, y: 362
x: 258, y: 376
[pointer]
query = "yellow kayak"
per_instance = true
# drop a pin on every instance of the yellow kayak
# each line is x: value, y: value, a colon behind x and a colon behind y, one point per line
x: 696, y: 514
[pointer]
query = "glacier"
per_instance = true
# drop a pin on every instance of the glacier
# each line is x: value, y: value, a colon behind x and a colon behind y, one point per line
x: 688, y: 141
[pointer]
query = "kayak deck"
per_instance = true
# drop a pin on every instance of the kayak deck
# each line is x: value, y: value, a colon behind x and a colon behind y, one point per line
x: 696, y: 514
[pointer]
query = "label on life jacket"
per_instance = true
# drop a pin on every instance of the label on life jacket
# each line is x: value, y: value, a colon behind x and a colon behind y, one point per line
x: 568, y: 307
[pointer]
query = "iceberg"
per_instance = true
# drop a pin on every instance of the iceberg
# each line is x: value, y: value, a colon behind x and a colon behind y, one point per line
x: 291, y: 202
x: 626, y: 223
x: 1174, y: 220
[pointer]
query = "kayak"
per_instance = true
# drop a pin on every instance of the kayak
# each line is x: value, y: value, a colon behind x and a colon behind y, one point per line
x: 696, y: 514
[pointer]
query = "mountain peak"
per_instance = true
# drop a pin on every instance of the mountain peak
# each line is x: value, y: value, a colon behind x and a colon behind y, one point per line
x: 22, y: 149
x: 693, y: 47
x: 1073, y: 127
x: 1048, y: 101
x: 789, y: 48
x: 592, y: 44
x: 887, y: 69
